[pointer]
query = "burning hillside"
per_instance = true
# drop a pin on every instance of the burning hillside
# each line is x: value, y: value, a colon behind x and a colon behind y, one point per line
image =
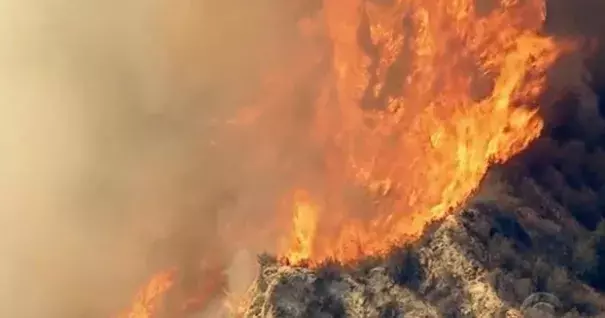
x: 419, y: 101
x: 405, y: 105
x: 422, y: 106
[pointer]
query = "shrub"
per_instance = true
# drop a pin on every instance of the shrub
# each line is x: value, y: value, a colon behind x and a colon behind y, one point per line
x: 510, y: 228
x: 590, y: 267
x: 266, y: 259
x: 404, y: 268
x: 540, y: 274
x: 390, y: 310
x: 329, y: 270
x: 598, y: 271
x: 583, y: 206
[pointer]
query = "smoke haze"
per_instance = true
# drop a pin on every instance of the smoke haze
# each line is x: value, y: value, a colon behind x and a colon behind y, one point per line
x: 106, y: 114
x: 107, y: 148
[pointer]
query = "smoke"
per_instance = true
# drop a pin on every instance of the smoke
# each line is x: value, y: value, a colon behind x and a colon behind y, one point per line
x: 111, y: 166
x: 109, y: 157
x: 568, y: 158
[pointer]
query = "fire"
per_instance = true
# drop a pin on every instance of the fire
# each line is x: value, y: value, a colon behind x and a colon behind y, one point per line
x: 305, y: 225
x: 428, y: 94
x: 419, y: 98
x: 149, y: 298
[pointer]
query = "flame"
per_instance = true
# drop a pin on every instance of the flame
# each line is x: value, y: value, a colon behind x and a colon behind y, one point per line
x: 428, y: 94
x: 420, y: 98
x: 150, y: 296
x: 305, y: 225
x: 212, y: 286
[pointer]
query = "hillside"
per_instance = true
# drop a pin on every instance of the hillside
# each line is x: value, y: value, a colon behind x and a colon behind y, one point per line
x: 506, y: 244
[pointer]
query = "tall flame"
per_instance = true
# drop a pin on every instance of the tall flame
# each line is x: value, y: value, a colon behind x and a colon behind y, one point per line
x: 305, y: 225
x: 428, y: 95
x: 419, y: 99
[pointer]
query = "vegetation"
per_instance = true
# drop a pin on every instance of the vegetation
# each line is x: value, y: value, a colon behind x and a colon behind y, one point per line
x: 591, y: 259
x: 404, y: 268
x: 519, y: 241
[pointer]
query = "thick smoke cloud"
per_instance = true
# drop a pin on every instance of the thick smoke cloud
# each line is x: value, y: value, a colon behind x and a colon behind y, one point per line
x: 106, y: 119
x: 108, y: 159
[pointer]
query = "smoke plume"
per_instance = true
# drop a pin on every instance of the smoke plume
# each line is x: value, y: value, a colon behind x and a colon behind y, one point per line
x: 106, y: 133
x: 110, y: 164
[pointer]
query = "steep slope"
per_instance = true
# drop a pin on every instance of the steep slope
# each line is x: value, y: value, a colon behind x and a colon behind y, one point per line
x: 505, y: 245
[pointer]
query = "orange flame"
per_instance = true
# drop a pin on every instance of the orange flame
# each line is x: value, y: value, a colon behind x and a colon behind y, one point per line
x: 421, y: 97
x: 305, y: 225
x: 429, y: 94
x: 212, y: 287
x: 150, y: 296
